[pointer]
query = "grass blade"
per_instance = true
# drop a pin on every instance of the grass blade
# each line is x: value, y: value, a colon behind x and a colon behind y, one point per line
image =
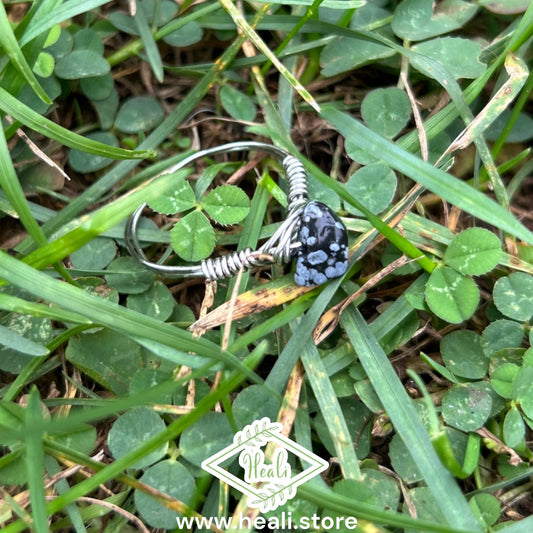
x: 332, y: 4
x: 18, y: 305
x: 53, y: 468
x: 46, y: 127
x: 35, y: 462
x: 524, y: 526
x: 109, y: 314
x: 446, y: 186
x: 407, y: 422
x: 11, y: 186
x: 12, y: 49
x: 41, y: 24
x: 330, y: 408
x: 17, y: 342
x: 243, y: 25
x: 149, y: 44
x: 136, y: 45
x: 349, y: 507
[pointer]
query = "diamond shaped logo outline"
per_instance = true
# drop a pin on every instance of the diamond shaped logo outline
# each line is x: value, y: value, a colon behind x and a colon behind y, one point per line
x: 254, y: 435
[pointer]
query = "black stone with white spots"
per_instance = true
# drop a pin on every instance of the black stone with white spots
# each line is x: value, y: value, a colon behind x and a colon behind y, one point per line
x: 323, y: 254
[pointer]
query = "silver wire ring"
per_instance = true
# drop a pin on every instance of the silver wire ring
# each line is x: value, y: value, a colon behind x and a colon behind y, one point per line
x: 279, y: 248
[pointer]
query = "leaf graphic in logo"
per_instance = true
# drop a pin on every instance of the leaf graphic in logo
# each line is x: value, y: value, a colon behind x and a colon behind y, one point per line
x: 271, y: 496
x: 259, y: 433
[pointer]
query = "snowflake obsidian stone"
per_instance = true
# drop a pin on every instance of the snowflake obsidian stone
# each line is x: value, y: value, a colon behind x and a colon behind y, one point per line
x: 323, y: 251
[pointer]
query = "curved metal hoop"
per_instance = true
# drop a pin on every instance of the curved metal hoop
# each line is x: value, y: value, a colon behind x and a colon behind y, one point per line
x: 280, y: 247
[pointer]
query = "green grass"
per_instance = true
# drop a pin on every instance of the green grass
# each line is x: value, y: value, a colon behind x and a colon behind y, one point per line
x: 420, y: 396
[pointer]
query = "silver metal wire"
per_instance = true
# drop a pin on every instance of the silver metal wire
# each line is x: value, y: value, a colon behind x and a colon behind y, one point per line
x: 228, y: 265
x: 280, y: 247
x: 297, y: 178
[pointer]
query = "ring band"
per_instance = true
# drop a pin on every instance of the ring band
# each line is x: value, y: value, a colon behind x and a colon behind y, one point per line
x: 311, y: 232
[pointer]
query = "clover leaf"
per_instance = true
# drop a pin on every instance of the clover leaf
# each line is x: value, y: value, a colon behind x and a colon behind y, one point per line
x: 193, y: 237
x: 227, y: 204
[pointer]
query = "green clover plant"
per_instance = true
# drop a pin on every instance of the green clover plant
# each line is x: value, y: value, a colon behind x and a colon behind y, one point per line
x: 193, y: 236
x: 492, y: 374
x: 450, y: 292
